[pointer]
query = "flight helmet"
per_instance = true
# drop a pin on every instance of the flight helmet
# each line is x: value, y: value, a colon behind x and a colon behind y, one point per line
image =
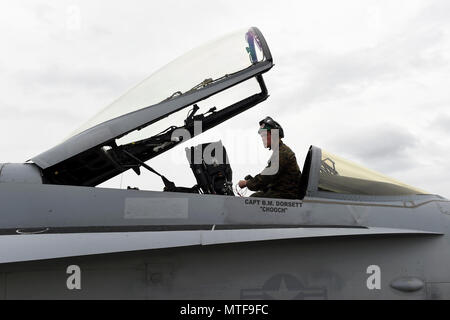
x: 268, y: 123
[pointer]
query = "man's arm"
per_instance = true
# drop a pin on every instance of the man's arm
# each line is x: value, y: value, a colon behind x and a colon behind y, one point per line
x: 267, y: 177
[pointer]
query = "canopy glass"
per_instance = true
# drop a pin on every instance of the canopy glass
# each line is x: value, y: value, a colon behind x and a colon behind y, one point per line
x: 193, y: 71
x: 343, y: 176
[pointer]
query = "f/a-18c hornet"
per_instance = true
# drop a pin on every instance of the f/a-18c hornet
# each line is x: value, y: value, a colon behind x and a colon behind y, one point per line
x: 352, y: 233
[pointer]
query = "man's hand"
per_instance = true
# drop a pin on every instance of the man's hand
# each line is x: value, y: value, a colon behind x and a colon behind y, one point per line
x: 242, y: 184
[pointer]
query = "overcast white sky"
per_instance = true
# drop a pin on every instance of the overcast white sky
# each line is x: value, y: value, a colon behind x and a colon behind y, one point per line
x: 367, y: 80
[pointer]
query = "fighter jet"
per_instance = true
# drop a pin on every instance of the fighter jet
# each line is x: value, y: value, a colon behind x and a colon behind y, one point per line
x: 352, y: 233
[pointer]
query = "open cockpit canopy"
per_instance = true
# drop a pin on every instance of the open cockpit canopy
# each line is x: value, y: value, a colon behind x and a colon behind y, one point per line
x: 91, y: 155
x: 199, y: 68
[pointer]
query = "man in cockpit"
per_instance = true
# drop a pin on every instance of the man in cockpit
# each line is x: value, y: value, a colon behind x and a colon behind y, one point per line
x: 274, y: 181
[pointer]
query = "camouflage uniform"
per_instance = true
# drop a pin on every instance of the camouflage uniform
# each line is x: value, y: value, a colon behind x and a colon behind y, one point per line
x: 283, y: 184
